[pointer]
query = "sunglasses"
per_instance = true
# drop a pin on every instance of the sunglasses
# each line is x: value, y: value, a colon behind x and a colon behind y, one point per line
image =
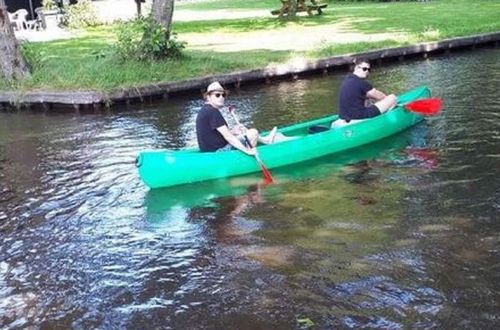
x: 220, y: 95
x: 366, y: 69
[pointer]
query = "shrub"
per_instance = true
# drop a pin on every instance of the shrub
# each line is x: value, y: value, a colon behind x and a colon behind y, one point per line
x: 80, y: 15
x: 49, y: 4
x: 144, y: 39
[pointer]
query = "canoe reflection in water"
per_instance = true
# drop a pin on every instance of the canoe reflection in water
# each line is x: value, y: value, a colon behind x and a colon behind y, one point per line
x: 200, y: 194
x: 211, y: 209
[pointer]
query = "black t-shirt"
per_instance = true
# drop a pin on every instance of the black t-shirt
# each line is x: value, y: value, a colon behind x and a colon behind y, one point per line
x: 352, y: 99
x: 207, y: 122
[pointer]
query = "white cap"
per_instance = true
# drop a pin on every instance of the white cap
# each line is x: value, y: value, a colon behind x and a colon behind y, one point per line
x: 215, y: 86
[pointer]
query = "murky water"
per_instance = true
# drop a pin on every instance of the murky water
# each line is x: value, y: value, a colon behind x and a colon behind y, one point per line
x: 402, y: 233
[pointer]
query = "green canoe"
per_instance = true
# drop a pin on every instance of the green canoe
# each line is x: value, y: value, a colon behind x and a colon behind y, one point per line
x: 165, y: 168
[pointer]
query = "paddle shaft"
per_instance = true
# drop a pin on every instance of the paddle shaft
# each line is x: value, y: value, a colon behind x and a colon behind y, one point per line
x: 236, y: 119
x: 265, y: 171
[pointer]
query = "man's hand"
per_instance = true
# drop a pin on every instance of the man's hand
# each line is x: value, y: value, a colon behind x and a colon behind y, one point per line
x: 241, y: 129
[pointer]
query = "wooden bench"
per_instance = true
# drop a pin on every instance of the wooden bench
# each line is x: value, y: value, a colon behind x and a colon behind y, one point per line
x: 301, y: 6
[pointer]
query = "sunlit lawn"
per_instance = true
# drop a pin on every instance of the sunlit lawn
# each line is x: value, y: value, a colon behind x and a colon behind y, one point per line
x: 447, y: 17
x: 87, y: 62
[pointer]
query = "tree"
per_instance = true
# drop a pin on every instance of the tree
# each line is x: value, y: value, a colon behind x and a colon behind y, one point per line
x: 161, y: 13
x: 292, y: 12
x: 12, y: 63
x: 139, y: 10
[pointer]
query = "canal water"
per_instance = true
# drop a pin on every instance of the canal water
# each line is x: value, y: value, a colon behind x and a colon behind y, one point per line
x: 401, y: 233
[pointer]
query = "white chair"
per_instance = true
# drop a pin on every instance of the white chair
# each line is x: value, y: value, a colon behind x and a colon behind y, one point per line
x: 18, y: 18
x: 32, y: 25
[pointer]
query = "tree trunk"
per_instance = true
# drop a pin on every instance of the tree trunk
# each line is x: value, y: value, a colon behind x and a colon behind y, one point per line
x: 138, y: 3
x: 292, y: 12
x: 162, y: 12
x: 12, y: 64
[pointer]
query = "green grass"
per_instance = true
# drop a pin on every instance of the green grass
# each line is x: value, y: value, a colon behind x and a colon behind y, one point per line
x: 232, y: 5
x: 357, y: 47
x: 87, y: 62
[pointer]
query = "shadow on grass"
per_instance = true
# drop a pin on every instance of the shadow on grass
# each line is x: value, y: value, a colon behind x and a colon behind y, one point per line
x: 406, y: 17
x: 250, y: 24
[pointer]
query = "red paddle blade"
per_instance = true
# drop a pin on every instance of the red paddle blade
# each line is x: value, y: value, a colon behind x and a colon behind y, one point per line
x: 427, y: 107
x: 268, y: 178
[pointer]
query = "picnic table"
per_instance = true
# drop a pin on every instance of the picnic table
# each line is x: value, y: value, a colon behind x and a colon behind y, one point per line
x: 301, y: 6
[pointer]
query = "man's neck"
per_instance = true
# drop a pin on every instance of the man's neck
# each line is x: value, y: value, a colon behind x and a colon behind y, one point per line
x: 357, y: 75
x: 214, y: 105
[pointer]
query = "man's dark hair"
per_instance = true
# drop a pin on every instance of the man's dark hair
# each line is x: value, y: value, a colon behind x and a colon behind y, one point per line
x: 358, y: 61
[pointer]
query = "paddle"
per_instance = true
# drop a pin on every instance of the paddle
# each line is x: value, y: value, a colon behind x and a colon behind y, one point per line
x: 427, y: 107
x: 267, y: 175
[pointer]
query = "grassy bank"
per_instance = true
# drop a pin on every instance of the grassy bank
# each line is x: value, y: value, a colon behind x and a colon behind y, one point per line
x: 220, y: 43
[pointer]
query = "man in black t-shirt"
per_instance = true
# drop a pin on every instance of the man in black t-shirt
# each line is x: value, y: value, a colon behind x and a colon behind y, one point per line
x: 356, y: 93
x: 208, y: 120
x: 212, y: 131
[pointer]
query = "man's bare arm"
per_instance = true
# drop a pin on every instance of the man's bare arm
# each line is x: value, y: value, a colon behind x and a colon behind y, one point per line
x: 233, y: 140
x: 375, y: 94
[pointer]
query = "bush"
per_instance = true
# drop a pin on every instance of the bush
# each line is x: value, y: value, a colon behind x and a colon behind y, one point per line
x: 144, y: 39
x: 80, y: 15
x: 49, y: 5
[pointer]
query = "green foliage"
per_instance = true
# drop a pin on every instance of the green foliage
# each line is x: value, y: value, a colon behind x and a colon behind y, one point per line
x: 144, y: 39
x: 49, y: 4
x: 80, y: 15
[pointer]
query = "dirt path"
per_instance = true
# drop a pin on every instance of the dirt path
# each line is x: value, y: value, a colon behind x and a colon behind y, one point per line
x: 298, y: 38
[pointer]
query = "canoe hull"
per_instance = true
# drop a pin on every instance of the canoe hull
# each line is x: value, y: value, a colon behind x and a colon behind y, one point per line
x: 169, y: 167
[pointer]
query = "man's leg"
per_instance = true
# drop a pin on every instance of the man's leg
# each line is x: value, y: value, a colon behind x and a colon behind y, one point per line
x: 387, y: 103
x: 280, y: 137
x: 268, y: 139
x: 272, y: 137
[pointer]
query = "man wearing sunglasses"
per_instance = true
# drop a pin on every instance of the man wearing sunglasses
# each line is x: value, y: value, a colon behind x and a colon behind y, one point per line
x: 356, y: 95
x: 212, y: 131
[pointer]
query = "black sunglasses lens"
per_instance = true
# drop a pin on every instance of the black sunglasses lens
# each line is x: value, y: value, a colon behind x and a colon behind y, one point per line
x: 219, y: 95
x: 366, y: 69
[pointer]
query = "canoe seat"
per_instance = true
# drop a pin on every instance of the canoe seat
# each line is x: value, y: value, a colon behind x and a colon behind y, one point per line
x: 317, y: 129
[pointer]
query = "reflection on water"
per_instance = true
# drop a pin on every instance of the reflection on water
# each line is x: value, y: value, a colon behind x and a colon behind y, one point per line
x: 401, y: 233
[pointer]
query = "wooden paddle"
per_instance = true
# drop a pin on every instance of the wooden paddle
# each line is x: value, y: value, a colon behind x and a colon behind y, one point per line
x: 427, y: 107
x: 268, y: 178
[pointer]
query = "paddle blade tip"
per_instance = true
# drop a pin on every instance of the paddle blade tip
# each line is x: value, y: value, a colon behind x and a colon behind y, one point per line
x: 428, y: 107
x: 268, y: 178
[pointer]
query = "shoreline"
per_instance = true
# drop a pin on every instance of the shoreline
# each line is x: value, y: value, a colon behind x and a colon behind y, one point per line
x: 94, y: 100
